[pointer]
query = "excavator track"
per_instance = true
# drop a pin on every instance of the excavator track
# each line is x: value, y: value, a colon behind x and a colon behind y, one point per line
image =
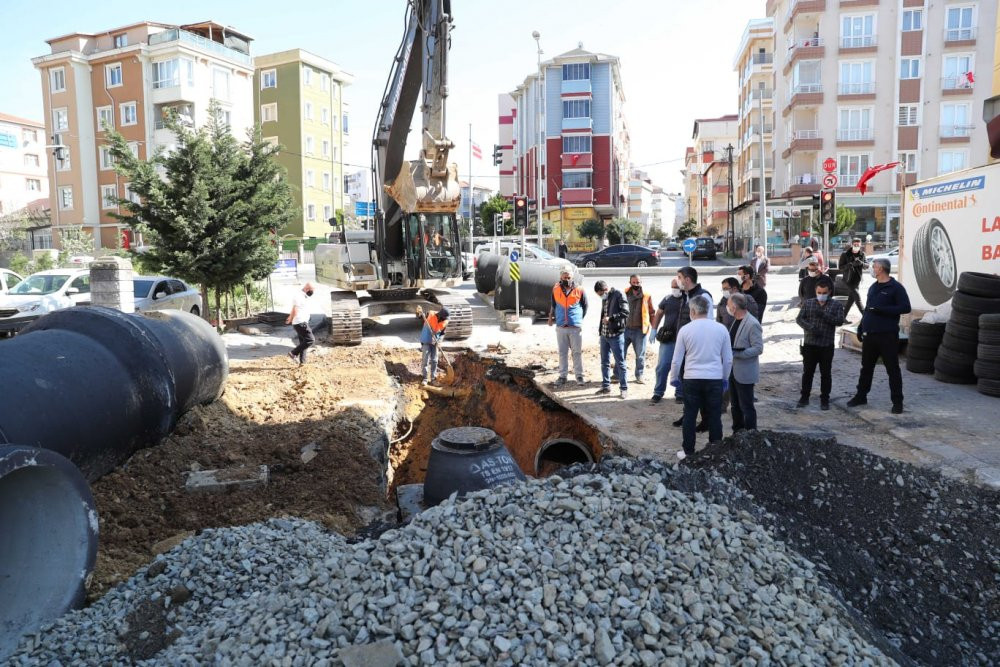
x: 345, y: 319
x: 459, y: 315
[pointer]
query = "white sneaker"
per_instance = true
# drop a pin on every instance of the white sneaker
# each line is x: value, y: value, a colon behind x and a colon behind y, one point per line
x: 624, y: 394
x: 681, y: 455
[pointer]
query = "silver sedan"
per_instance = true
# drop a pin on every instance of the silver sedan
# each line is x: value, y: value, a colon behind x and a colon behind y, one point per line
x: 158, y: 293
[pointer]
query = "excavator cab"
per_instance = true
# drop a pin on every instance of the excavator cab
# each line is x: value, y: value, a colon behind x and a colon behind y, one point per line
x: 432, y: 246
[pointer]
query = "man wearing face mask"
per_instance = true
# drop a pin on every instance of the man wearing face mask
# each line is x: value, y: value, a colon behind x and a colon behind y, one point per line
x: 807, y: 286
x: 852, y: 267
x: 667, y: 313
x: 731, y: 286
x: 819, y: 319
x: 687, y: 278
x: 566, y: 312
x: 750, y: 286
x: 299, y: 319
x: 746, y: 337
x: 640, y: 311
x: 879, y: 334
x: 614, y: 316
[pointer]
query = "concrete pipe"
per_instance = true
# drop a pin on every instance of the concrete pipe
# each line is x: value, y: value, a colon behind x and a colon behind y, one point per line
x: 537, y: 281
x: 486, y: 272
x: 96, y: 385
x: 559, y: 452
x: 48, y: 540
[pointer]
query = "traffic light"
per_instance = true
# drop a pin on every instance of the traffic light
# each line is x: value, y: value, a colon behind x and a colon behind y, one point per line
x: 533, y: 207
x: 815, y: 199
x: 828, y: 207
x: 521, y: 211
x: 497, y: 155
x: 498, y: 222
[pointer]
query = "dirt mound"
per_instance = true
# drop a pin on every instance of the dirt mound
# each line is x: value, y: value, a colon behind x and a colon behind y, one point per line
x: 269, y: 412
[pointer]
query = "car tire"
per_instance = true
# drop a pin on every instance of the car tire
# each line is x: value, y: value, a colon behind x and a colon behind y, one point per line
x: 590, y: 264
x: 977, y: 305
x: 934, y: 264
x: 989, y: 322
x: 961, y: 316
x: 195, y: 311
x: 979, y: 284
x: 955, y: 359
x: 988, y: 387
x: 987, y: 337
x: 929, y: 329
x: 920, y: 353
x: 988, y: 352
x: 962, y: 332
x: 941, y: 376
x: 642, y: 264
x: 986, y: 370
x: 923, y: 366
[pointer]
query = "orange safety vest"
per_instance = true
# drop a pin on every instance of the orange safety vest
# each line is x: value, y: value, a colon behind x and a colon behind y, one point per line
x: 567, y: 301
x: 647, y: 305
x: 436, y: 326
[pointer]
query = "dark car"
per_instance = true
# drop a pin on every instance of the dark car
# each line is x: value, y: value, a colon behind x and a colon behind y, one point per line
x: 705, y: 248
x: 673, y: 244
x: 624, y: 254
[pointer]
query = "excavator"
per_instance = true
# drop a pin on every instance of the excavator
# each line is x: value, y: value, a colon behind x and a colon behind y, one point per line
x: 415, y: 254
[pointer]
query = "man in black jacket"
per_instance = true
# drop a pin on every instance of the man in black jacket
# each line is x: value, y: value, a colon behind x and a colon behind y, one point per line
x: 807, y: 286
x: 852, y: 267
x: 614, y: 316
x: 879, y: 334
x: 750, y: 286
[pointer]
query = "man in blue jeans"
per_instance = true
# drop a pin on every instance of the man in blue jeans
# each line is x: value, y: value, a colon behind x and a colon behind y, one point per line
x: 668, y: 312
x: 640, y: 312
x: 705, y: 350
x: 614, y: 315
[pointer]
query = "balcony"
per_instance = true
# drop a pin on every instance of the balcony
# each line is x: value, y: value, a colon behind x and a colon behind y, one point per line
x: 810, y: 48
x: 585, y: 123
x: 804, y: 141
x: 804, y: 184
x: 804, y: 95
x: 960, y: 36
x: 720, y: 189
x: 858, y: 44
x: 955, y: 133
x: 575, y: 86
x: 578, y: 195
x: 571, y: 160
x: 201, y: 43
x: 801, y: 7
x: 855, y: 136
x: 957, y: 84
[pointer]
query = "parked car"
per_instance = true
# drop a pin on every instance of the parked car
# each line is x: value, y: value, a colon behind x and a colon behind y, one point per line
x: 673, y: 244
x: 892, y: 256
x: 654, y: 245
x: 42, y: 293
x: 705, y: 248
x: 623, y: 254
x: 159, y: 293
x: 8, y: 279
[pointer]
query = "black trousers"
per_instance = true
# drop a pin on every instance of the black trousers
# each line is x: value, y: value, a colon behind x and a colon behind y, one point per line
x: 306, y: 340
x: 854, y: 297
x: 813, y: 355
x: 744, y: 412
x: 886, y: 346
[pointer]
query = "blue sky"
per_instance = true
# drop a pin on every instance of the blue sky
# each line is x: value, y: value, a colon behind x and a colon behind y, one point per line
x: 676, y: 56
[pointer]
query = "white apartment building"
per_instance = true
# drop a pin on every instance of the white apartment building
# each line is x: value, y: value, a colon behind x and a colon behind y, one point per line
x: 706, y: 171
x: 24, y: 175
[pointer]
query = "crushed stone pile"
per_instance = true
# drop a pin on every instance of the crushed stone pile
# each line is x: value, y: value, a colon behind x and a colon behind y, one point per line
x: 592, y: 569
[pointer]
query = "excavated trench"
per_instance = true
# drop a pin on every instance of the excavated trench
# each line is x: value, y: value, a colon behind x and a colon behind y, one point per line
x: 541, y: 435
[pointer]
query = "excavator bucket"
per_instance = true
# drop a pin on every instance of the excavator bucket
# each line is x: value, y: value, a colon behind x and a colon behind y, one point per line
x: 417, y: 190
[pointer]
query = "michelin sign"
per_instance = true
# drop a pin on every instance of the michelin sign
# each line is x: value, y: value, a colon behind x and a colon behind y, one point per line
x: 951, y: 224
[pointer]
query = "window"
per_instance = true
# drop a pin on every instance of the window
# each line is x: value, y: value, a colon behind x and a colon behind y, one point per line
x: 708, y: 147
x: 578, y: 179
x: 957, y: 72
x: 121, y: 41
x: 807, y: 76
x: 326, y: 181
x: 31, y: 160
x: 133, y: 147
x: 29, y: 136
x: 66, y: 198
x: 324, y: 115
x: 129, y: 116
x: 908, y: 162
x: 60, y: 120
x: 854, y: 125
x: 325, y: 82
x: 959, y: 24
x: 271, y: 140
x: 333, y: 125
x: 577, y: 144
x: 344, y: 124
x: 576, y: 72
x: 311, y: 211
x: 949, y: 161
x: 167, y: 73
x: 336, y: 152
x: 33, y: 185
x: 335, y: 90
x: 113, y: 75
x: 109, y: 196
x: 907, y: 115
x: 308, y: 111
x: 225, y: 117
x: 851, y: 168
x: 107, y: 161
x: 326, y: 148
x: 105, y: 118
x: 913, y: 19
x: 268, y: 112
x: 307, y: 79
x: 57, y: 80
x: 309, y: 178
x: 909, y: 68
x: 955, y: 120
x: 857, y: 31
x: 576, y: 108
x: 327, y: 212
x: 129, y: 195
x: 269, y: 79
x: 309, y: 145
x: 856, y: 78
x: 220, y: 84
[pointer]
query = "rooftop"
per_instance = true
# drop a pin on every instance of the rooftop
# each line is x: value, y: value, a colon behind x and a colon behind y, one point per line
x: 7, y: 118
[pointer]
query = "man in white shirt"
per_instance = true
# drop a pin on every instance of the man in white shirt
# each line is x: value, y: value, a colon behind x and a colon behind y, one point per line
x: 299, y: 319
x: 704, y: 349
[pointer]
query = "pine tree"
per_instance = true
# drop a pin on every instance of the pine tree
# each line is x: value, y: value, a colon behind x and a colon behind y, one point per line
x: 211, y: 217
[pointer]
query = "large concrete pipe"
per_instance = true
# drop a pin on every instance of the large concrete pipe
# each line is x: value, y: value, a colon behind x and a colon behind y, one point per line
x: 95, y: 384
x: 537, y: 281
x: 486, y: 272
x: 48, y: 540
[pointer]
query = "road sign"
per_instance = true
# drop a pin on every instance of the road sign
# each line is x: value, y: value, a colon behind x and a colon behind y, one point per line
x: 689, y: 245
x: 829, y: 165
x: 830, y: 181
x: 515, y: 271
x: 364, y: 209
x: 514, y: 256
x: 506, y: 215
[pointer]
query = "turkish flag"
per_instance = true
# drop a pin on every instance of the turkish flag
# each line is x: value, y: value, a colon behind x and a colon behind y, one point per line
x: 970, y: 77
x: 870, y: 173
x: 575, y: 158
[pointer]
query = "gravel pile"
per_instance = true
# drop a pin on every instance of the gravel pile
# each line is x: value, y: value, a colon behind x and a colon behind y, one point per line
x: 587, y: 570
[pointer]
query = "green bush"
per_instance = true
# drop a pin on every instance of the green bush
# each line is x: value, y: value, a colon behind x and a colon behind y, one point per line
x: 20, y: 263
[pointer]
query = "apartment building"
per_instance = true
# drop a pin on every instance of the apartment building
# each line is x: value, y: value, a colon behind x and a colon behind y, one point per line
x: 706, y: 172
x: 640, y: 199
x: 299, y: 103
x: 126, y: 78
x: 868, y: 82
x: 754, y: 155
x: 24, y: 175
x: 567, y: 122
x: 467, y: 203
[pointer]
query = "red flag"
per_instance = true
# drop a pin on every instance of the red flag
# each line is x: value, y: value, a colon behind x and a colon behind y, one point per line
x: 970, y: 77
x: 477, y: 152
x: 870, y: 173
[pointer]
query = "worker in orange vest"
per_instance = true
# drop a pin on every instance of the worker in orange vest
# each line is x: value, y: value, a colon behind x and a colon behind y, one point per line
x: 430, y: 337
x: 566, y: 312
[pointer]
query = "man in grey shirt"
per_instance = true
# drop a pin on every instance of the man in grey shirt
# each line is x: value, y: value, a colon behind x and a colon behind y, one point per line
x: 704, y: 349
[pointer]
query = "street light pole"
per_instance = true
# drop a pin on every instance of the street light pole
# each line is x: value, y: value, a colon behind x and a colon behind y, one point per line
x: 763, y: 195
x: 540, y: 116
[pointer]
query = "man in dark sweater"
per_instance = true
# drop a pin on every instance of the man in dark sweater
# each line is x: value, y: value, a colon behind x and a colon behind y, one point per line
x: 879, y: 335
x: 750, y: 286
x: 852, y: 267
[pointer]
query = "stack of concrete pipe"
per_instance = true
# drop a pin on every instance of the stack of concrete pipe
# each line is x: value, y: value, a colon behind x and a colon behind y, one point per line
x: 86, y: 388
x: 537, y: 281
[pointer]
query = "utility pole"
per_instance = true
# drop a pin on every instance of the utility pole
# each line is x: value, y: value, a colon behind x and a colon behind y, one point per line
x: 763, y: 194
x: 540, y: 115
x: 472, y: 191
x: 729, y: 219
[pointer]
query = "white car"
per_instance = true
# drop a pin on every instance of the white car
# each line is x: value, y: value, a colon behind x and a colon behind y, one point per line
x: 42, y: 293
x: 8, y: 279
x: 532, y: 253
x: 892, y: 256
x: 159, y: 293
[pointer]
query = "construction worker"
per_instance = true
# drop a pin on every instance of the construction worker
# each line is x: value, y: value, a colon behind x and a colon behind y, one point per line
x: 430, y: 338
x: 568, y: 308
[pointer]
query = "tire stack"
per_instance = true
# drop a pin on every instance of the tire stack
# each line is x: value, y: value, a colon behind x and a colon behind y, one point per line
x: 978, y: 294
x: 922, y: 347
x: 987, y: 366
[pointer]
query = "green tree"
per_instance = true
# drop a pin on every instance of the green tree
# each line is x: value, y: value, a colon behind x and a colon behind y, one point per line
x: 75, y: 241
x: 494, y: 205
x: 846, y: 217
x: 656, y: 233
x: 688, y: 229
x: 209, y: 219
x: 591, y: 229
x: 632, y: 231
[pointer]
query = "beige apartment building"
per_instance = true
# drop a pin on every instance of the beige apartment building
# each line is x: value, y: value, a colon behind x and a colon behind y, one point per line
x: 706, y: 172
x: 868, y: 82
x: 127, y: 78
